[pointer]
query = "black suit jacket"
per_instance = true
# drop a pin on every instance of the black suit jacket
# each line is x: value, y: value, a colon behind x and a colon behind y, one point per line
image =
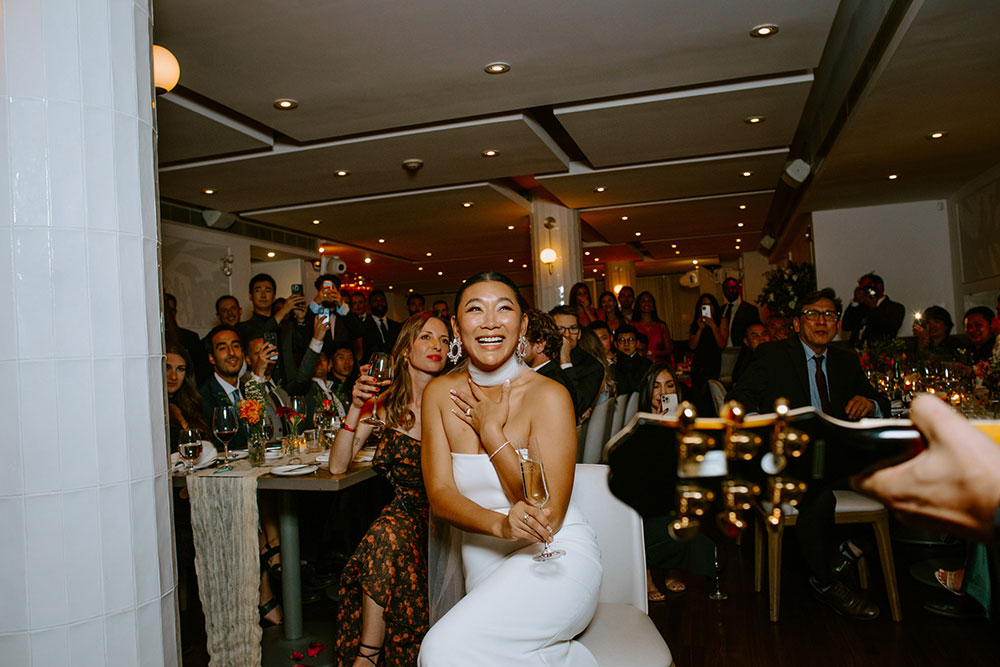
x: 780, y: 370
x: 372, y: 340
x: 881, y: 323
x: 629, y: 372
x: 745, y: 315
x: 587, y: 376
x: 553, y: 371
x: 213, y: 395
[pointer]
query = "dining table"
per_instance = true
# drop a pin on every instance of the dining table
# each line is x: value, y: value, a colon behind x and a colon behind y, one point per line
x: 293, y: 635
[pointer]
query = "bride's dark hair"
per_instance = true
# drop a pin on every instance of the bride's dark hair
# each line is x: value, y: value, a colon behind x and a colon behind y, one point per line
x: 491, y: 277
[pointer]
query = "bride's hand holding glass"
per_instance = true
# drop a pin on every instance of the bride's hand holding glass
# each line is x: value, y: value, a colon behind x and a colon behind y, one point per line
x: 527, y: 522
x: 478, y: 410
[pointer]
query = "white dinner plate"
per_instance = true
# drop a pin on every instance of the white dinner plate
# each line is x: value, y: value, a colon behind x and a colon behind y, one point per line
x: 294, y: 470
x: 270, y: 456
x: 323, y: 458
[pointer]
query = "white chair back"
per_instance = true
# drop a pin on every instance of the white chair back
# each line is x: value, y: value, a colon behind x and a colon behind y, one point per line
x: 619, y: 532
x: 618, y: 419
x: 581, y: 439
x: 597, y: 432
x: 632, y: 407
x: 729, y: 358
x: 718, y: 395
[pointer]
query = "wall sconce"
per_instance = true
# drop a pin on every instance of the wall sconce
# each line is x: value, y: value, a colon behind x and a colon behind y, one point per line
x: 227, y: 265
x: 548, y: 255
x: 166, y: 70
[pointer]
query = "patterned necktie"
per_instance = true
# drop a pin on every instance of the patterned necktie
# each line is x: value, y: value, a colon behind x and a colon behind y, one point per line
x: 824, y: 393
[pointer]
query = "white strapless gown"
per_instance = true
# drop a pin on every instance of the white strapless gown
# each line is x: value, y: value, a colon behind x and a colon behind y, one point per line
x: 516, y: 611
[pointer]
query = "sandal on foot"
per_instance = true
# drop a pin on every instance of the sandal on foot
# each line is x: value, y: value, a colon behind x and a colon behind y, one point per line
x: 675, y: 585
x: 654, y: 595
x: 951, y: 580
x: 265, y: 609
x: 376, y: 651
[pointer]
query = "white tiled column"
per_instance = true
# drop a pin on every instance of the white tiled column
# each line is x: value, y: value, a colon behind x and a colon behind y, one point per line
x: 86, y: 570
x: 552, y: 288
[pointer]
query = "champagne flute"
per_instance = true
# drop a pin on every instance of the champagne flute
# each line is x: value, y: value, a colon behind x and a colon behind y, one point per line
x: 536, y: 491
x: 189, y: 447
x: 381, y: 371
x: 225, y: 424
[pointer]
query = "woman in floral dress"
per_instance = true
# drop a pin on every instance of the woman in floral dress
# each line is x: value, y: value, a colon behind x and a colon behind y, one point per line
x: 383, y: 615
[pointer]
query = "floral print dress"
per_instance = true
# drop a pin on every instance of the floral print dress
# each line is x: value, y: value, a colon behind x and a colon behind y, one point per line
x: 390, y: 564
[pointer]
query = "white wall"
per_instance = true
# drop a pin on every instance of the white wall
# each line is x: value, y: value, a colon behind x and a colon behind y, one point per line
x: 975, y: 233
x: 907, y: 244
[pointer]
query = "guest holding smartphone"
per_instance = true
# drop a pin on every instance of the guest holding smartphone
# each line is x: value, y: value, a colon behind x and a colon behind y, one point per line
x: 708, y: 335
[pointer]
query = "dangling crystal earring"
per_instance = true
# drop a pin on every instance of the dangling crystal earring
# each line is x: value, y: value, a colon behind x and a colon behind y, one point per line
x: 522, y: 347
x: 455, y: 350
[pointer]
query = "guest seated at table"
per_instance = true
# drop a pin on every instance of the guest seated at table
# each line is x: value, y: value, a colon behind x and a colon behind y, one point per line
x: 340, y: 366
x: 543, y: 343
x: 661, y: 394
x: 606, y: 337
x: 585, y: 372
x: 778, y: 327
x: 514, y: 611
x: 183, y: 400
x: 609, y: 312
x: 755, y: 335
x: 630, y: 365
x: 647, y: 321
x: 591, y: 344
x: 932, y: 331
x: 580, y: 299
x: 225, y: 354
x: 382, y: 616
x: 978, y: 336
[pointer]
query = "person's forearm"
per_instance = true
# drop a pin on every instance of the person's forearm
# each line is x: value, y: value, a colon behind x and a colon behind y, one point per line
x: 348, y: 442
x: 463, y: 513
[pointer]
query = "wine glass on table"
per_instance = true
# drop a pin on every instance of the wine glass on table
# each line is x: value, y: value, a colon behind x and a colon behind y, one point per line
x: 381, y: 372
x: 189, y: 448
x: 536, y: 491
x: 225, y: 424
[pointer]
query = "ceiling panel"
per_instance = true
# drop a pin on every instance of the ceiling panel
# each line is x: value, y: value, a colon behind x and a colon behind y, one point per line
x: 413, y: 224
x: 724, y: 244
x: 701, y: 121
x: 611, y: 253
x: 677, y: 219
x: 185, y: 135
x: 666, y: 180
x: 294, y: 175
x: 680, y: 265
x: 361, y: 65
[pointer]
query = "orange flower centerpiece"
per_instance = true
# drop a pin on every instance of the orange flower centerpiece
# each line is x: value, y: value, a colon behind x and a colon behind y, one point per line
x: 293, y: 441
x: 251, y: 411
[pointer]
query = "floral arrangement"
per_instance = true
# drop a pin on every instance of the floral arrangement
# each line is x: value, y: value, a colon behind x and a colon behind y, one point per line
x: 784, y: 285
x: 251, y: 411
x: 290, y: 417
x: 883, y: 356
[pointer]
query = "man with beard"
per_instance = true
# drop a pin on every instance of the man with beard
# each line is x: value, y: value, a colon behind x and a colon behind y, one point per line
x: 756, y: 334
x: 737, y: 312
x: 225, y: 354
x: 626, y: 300
x: 380, y: 332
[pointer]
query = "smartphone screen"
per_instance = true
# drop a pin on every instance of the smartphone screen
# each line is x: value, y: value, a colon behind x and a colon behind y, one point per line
x: 327, y: 284
x: 272, y: 338
x: 297, y: 289
x: 706, y: 311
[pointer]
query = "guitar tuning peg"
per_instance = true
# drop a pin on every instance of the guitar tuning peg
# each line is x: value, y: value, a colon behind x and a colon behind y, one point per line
x: 740, y: 444
x: 692, y: 502
x: 691, y: 445
x: 780, y: 492
x: 731, y: 523
x: 737, y: 497
x: 786, y: 441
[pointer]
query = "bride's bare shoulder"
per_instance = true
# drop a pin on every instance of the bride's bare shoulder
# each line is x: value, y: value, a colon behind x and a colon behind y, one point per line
x: 439, y: 387
x: 545, y: 390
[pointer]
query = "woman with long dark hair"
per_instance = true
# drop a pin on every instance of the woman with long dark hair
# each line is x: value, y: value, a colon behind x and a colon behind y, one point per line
x: 647, y: 321
x: 608, y: 311
x: 186, y: 409
x: 382, y: 616
x: 474, y: 423
x: 579, y: 298
x: 708, y: 335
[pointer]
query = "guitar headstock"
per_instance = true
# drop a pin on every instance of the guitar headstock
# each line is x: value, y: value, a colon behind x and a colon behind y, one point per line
x: 690, y: 468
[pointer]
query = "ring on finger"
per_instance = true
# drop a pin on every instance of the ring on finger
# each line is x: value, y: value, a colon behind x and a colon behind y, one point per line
x: 525, y: 519
x: 468, y: 412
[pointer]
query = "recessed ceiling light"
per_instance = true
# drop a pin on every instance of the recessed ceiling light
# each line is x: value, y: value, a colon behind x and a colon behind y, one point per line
x: 492, y: 152
x: 322, y: 249
x: 638, y: 233
x: 893, y: 177
x: 285, y: 103
x: 468, y: 204
x: 411, y: 289
x: 739, y: 224
x: 270, y: 254
x: 510, y: 227
x: 739, y: 240
x: 746, y: 174
x: 765, y: 30
x: 342, y: 172
x: 694, y: 261
x: 381, y: 240
x: 368, y: 260
x: 677, y: 252
x: 420, y: 268
x: 440, y: 273
x: 390, y: 286
x: 673, y: 245
x: 430, y: 254
x: 937, y: 135
x: 463, y: 281
x: 737, y: 247
x: 624, y: 217
x: 497, y: 68
x: 597, y: 259
x: 743, y: 207
x: 600, y: 188
x: 315, y: 222
x: 209, y: 191
x: 753, y: 120
x: 524, y: 266
x: 595, y: 270
x: 510, y: 260
x: 586, y: 252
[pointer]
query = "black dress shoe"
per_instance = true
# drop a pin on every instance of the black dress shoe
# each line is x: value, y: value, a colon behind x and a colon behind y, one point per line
x: 844, y: 601
x: 955, y: 607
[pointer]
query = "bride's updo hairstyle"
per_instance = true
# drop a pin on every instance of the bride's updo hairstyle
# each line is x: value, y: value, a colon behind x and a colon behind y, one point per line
x: 487, y: 277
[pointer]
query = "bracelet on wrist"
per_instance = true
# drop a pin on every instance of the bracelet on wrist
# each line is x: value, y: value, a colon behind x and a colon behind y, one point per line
x: 498, y: 449
x: 348, y: 428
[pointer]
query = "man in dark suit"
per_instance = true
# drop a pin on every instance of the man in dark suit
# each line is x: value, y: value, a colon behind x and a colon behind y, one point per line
x: 345, y: 327
x: 872, y: 316
x: 225, y: 354
x: 805, y: 370
x: 738, y: 313
x: 542, y: 352
x: 756, y: 334
x: 380, y: 333
x: 585, y: 372
x: 630, y: 366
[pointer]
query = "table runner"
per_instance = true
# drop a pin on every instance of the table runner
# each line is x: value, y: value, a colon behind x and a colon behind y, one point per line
x: 227, y: 561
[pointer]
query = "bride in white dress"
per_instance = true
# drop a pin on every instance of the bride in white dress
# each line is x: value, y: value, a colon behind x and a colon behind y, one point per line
x: 515, y: 611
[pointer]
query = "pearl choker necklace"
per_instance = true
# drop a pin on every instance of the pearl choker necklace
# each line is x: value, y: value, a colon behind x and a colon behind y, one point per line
x: 508, y: 371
